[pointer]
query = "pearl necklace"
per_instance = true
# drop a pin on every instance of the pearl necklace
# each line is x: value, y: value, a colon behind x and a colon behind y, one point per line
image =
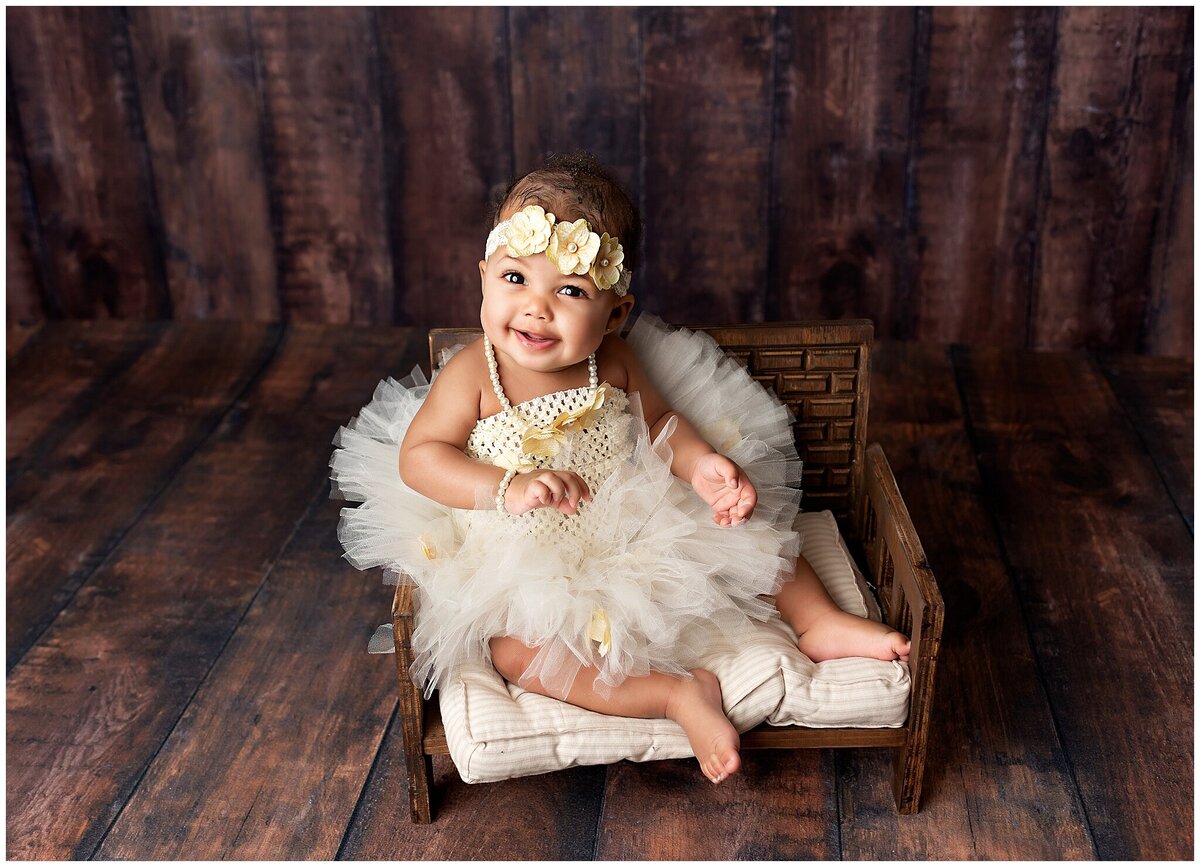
x: 494, y: 374
x: 593, y: 376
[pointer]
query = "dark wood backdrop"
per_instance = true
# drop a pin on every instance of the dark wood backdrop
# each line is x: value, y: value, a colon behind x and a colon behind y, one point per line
x: 1001, y: 176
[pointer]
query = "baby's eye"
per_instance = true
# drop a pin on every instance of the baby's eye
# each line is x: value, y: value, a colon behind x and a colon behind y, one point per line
x: 520, y: 279
x: 576, y: 289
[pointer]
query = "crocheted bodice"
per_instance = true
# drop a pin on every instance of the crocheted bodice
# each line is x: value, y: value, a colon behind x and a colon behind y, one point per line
x: 602, y: 440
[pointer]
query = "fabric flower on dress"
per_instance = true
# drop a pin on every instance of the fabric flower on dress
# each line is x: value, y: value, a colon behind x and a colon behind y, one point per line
x: 580, y: 418
x: 722, y: 434
x: 529, y: 231
x: 600, y: 630
x: 514, y: 461
x: 573, y: 247
x: 541, y: 442
x: 545, y: 442
x: 607, y: 268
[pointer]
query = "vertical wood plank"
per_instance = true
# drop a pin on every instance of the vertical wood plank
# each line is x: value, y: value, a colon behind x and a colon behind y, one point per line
x: 838, y: 169
x: 546, y: 817
x: 62, y: 377
x: 1171, y: 304
x: 1158, y: 395
x: 997, y: 782
x: 25, y: 297
x: 556, y: 54
x: 319, y: 73
x: 80, y: 117
x: 79, y: 494
x: 780, y: 806
x: 17, y: 337
x: 269, y: 758
x: 93, y: 701
x: 449, y: 96
x: 1107, y: 143
x: 200, y: 102
x: 1103, y: 565
x: 980, y: 133
x: 706, y: 105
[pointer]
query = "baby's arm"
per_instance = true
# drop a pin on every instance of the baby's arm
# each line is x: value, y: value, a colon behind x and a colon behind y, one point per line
x: 433, y: 461
x: 716, y: 478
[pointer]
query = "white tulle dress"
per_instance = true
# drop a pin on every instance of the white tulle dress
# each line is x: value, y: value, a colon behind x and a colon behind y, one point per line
x: 640, y: 579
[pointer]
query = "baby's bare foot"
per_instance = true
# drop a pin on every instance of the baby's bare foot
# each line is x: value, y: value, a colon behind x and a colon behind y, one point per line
x: 839, y: 634
x: 696, y: 706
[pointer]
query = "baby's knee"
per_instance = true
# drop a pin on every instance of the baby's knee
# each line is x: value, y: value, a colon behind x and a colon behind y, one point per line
x: 510, y: 656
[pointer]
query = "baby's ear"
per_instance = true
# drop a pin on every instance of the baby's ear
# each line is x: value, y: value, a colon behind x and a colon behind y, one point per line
x: 619, y: 313
x: 482, y: 271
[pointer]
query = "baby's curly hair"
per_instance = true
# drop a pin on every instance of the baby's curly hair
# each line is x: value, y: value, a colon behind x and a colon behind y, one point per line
x: 577, y: 185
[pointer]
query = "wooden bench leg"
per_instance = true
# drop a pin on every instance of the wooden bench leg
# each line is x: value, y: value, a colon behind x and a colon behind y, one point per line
x: 907, y: 772
x: 412, y: 722
x: 420, y: 786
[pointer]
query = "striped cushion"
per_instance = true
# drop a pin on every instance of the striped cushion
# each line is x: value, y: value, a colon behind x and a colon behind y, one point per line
x: 497, y: 730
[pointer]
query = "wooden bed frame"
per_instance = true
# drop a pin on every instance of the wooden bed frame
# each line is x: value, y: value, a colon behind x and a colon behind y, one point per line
x: 822, y: 371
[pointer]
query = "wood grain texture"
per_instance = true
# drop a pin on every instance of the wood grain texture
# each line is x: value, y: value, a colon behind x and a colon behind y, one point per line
x: 16, y: 338
x: 269, y: 758
x: 842, y: 82
x: 84, y: 143
x: 200, y: 104
x: 997, y: 784
x: 1158, y: 395
x: 62, y: 377
x: 780, y: 806
x: 706, y: 104
x: 88, y: 480
x: 26, y: 299
x: 1102, y: 564
x: 594, y: 50
x: 1167, y: 328
x: 93, y: 701
x: 319, y: 70
x: 452, y: 117
x: 1115, y: 82
x: 548, y: 817
x: 981, y: 125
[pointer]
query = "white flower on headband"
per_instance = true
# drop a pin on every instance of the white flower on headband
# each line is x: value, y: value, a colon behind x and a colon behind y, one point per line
x: 572, y: 247
x: 607, y: 268
x: 529, y: 231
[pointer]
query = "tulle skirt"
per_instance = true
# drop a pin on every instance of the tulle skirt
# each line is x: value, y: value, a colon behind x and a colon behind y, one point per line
x: 647, y: 581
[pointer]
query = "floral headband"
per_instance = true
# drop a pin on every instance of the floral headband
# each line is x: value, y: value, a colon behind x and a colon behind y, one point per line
x: 573, y: 247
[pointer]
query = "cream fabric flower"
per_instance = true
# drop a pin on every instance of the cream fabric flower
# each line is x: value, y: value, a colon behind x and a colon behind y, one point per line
x: 529, y: 231
x: 573, y: 247
x: 606, y: 270
x: 722, y: 434
x: 600, y: 631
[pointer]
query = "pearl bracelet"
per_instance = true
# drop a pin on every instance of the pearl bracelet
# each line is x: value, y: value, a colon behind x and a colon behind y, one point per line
x: 508, y: 477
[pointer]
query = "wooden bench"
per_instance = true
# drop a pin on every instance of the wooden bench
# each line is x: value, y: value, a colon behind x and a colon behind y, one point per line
x: 822, y: 371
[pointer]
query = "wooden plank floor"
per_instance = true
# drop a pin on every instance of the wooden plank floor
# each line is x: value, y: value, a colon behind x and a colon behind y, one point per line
x: 186, y: 648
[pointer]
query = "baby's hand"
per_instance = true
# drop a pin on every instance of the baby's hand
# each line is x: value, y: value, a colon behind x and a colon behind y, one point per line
x: 723, y: 485
x: 556, y: 489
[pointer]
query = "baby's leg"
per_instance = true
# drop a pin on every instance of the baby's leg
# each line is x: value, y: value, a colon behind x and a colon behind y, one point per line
x: 825, y: 631
x: 694, y: 704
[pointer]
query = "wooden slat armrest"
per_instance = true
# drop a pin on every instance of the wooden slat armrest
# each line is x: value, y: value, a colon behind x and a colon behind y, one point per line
x: 909, y: 593
x: 912, y: 603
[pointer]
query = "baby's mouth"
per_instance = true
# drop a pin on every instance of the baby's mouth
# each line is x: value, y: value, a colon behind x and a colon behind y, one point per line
x: 534, y: 339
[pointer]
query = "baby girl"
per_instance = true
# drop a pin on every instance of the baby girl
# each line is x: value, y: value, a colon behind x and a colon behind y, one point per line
x: 560, y: 518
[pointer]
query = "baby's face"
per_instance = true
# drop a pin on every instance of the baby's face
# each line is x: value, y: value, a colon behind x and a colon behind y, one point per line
x: 528, y: 298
